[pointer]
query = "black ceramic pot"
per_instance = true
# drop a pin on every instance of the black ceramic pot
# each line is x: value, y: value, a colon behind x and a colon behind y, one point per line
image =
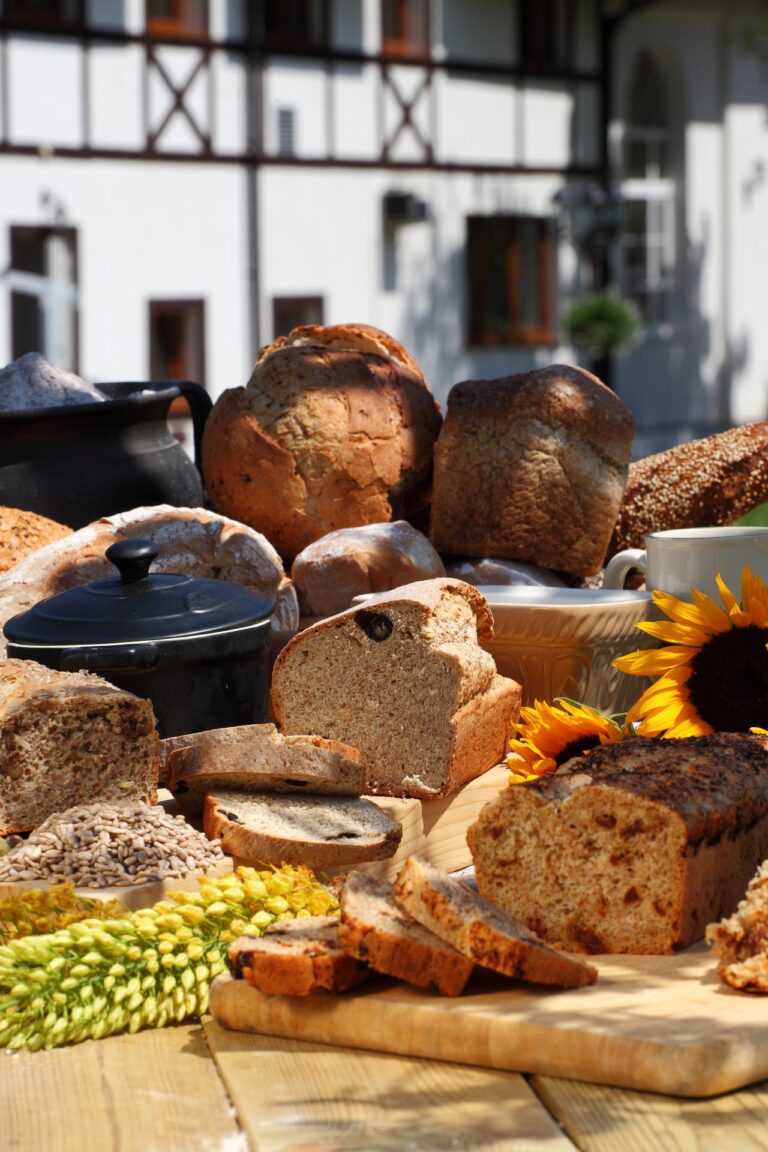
x: 196, y: 648
x: 82, y: 461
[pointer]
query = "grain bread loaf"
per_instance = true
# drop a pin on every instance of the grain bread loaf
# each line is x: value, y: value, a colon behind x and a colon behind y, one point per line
x: 22, y: 532
x: 405, y: 681
x: 532, y: 467
x: 192, y: 541
x: 69, y: 738
x: 374, y: 929
x: 740, y: 942
x: 318, y: 831
x: 297, y: 958
x: 635, y: 848
x: 700, y: 484
x: 481, y: 930
x: 354, y: 561
x: 334, y: 429
x: 258, y: 758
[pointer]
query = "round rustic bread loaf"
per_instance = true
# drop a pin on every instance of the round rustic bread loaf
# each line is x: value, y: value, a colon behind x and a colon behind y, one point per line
x: 334, y: 429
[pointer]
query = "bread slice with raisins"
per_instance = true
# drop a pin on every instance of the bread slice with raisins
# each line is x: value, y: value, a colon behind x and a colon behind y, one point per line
x: 297, y: 958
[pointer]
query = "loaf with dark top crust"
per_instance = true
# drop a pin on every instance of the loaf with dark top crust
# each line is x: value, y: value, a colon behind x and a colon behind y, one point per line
x: 700, y: 484
x: 633, y: 848
x: 532, y: 467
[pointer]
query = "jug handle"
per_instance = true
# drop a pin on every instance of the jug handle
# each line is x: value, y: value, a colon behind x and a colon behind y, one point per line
x: 200, y: 405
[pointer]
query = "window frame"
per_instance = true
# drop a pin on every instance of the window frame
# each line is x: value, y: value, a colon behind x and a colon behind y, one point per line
x: 173, y: 27
x: 518, y: 333
x: 191, y: 306
x: 404, y: 44
x: 22, y: 283
x: 28, y: 18
x: 287, y: 302
x: 278, y: 40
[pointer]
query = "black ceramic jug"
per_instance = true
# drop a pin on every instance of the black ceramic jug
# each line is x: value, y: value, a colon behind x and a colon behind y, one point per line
x: 82, y: 461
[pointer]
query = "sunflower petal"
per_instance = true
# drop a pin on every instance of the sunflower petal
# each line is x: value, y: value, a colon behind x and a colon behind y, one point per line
x: 652, y: 661
x: 692, y: 726
x: 703, y: 613
x: 674, y: 633
x: 716, y: 618
x: 729, y: 600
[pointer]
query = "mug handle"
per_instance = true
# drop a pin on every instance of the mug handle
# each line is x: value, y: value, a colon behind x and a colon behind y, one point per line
x: 200, y: 405
x: 620, y: 565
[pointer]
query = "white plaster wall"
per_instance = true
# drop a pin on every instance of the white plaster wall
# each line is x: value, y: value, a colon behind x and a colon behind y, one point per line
x: 45, y: 113
x: 115, y: 77
x: 145, y: 231
x: 302, y: 86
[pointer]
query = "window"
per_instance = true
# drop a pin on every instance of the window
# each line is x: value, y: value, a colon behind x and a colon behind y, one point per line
x: 405, y: 27
x: 546, y: 33
x: 295, y: 23
x: 43, y: 289
x: 292, y: 311
x: 44, y: 13
x: 177, y: 340
x: 286, y: 131
x: 182, y: 18
x: 647, y: 254
x: 510, y: 264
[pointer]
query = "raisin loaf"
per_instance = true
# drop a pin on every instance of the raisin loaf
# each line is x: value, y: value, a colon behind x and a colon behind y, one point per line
x: 405, y: 681
x: 634, y: 848
x: 70, y: 738
x: 297, y: 958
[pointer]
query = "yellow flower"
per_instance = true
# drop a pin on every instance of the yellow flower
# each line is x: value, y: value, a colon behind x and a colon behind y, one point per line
x: 713, y: 674
x: 550, y: 734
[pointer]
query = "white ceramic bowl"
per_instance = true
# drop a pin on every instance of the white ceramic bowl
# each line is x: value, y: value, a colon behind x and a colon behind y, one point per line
x: 563, y: 641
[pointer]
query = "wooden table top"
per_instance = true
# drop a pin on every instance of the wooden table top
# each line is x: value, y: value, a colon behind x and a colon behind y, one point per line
x: 200, y: 1088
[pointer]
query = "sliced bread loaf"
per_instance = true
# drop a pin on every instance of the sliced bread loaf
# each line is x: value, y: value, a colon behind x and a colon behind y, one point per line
x: 257, y: 758
x: 297, y: 958
x: 70, y: 738
x: 403, y: 679
x: 481, y: 930
x: 373, y: 928
x: 319, y: 831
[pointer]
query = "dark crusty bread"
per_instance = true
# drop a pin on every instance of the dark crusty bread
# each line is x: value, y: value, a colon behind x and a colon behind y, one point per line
x: 319, y: 831
x: 297, y: 958
x: 353, y: 561
x: 257, y: 758
x: 481, y: 930
x: 69, y: 738
x: 532, y: 467
x: 22, y: 532
x: 700, y: 484
x: 405, y: 680
x: 335, y: 428
x: 634, y: 848
x: 375, y: 930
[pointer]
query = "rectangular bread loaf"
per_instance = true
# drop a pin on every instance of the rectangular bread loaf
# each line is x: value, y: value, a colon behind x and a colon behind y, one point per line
x: 634, y: 848
x: 70, y: 738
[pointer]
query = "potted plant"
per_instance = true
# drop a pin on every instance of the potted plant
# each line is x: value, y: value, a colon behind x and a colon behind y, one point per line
x: 602, y: 325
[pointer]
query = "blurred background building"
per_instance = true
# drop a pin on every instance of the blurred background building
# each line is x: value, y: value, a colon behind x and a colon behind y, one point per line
x: 182, y: 180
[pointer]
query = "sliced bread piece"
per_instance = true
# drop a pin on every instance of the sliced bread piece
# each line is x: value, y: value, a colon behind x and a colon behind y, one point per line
x: 481, y: 930
x: 297, y: 958
x: 319, y: 831
x: 257, y: 758
x: 373, y: 928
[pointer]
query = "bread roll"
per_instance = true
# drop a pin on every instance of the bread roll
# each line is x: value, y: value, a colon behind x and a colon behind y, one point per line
x: 334, y: 429
x: 696, y: 485
x: 405, y: 681
x: 532, y: 467
x: 634, y: 848
x: 352, y: 561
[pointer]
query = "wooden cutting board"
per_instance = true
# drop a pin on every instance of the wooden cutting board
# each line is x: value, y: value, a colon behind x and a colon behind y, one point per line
x: 655, y: 1023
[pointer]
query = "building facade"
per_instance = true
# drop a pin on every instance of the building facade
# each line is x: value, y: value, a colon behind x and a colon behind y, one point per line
x: 182, y: 180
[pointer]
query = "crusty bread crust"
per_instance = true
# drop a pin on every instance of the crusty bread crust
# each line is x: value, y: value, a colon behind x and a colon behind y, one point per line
x: 634, y: 848
x: 375, y: 930
x: 297, y: 958
x: 481, y: 930
x: 700, y: 484
x: 22, y: 532
x: 347, y: 337
x: 532, y: 467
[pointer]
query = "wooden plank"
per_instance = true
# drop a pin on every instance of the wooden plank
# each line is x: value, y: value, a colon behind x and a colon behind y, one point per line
x: 292, y: 1097
x: 654, y: 1023
x: 156, y: 1090
x: 600, y: 1119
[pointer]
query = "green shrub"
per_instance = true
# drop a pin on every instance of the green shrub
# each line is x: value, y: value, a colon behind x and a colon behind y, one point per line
x: 603, y: 323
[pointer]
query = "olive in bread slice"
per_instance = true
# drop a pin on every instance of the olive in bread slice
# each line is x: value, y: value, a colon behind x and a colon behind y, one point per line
x: 297, y: 958
x: 481, y: 930
x: 373, y: 928
x: 319, y: 831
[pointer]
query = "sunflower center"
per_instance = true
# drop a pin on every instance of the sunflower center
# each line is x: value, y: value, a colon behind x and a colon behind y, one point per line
x: 729, y: 680
x: 576, y: 748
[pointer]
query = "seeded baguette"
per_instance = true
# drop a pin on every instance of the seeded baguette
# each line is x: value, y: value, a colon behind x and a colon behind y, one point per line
x: 374, y: 929
x: 318, y: 831
x: 481, y: 930
x: 257, y: 758
x: 297, y: 958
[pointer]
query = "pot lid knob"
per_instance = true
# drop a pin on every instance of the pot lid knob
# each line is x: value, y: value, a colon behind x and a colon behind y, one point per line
x: 132, y: 558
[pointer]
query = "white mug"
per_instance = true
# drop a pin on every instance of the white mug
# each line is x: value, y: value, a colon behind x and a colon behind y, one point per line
x: 684, y: 558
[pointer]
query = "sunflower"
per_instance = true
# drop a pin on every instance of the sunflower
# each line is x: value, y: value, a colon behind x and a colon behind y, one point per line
x: 550, y: 734
x: 713, y: 674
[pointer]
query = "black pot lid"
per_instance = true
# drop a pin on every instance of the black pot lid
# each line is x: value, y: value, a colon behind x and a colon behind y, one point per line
x: 137, y: 605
